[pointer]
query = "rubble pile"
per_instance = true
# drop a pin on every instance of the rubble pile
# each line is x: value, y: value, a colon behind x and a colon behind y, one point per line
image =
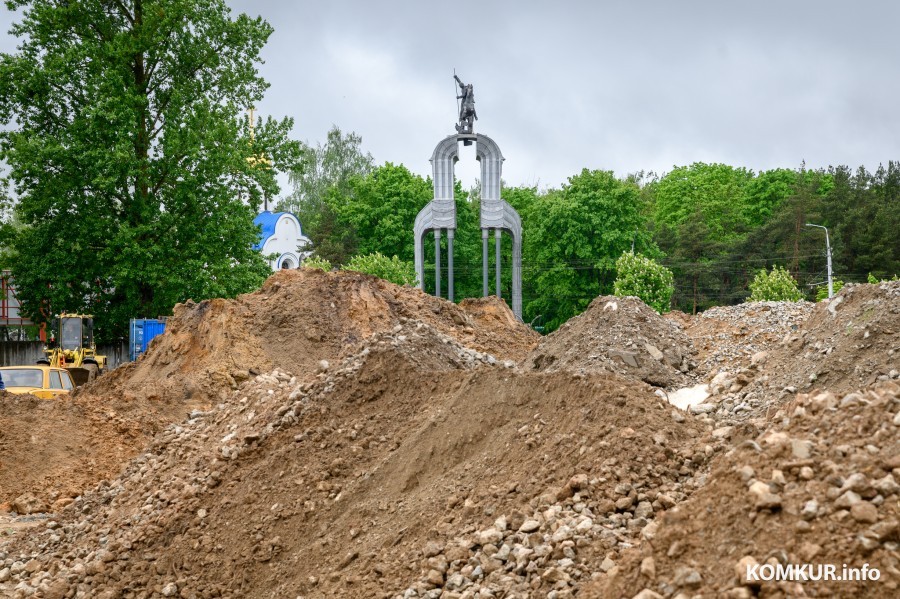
x: 820, y: 486
x: 296, y: 319
x: 335, y: 487
x: 727, y: 337
x: 844, y: 343
x: 622, y: 335
x: 337, y: 436
x: 53, y: 451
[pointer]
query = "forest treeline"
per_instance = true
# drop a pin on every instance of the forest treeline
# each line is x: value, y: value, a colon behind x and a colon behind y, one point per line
x: 713, y: 225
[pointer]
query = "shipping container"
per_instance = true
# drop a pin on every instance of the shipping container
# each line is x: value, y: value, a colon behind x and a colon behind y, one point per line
x: 141, y: 333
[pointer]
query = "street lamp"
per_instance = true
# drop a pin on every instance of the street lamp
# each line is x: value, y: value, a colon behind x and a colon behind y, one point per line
x: 828, y: 254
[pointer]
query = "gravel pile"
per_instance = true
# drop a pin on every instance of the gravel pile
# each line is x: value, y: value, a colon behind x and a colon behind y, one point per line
x: 820, y: 486
x: 621, y: 335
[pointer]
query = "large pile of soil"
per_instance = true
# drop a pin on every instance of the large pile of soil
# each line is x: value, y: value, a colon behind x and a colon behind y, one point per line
x: 819, y: 487
x: 622, y: 335
x: 298, y: 318
x: 847, y: 342
x: 53, y: 450
x: 347, y: 485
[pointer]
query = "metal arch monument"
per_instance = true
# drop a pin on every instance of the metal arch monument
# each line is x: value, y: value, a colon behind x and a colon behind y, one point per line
x: 496, y: 214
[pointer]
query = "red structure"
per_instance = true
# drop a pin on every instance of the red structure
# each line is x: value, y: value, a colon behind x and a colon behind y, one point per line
x: 9, y: 305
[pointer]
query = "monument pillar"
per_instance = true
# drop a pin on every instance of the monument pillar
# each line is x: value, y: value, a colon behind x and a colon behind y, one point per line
x: 496, y: 214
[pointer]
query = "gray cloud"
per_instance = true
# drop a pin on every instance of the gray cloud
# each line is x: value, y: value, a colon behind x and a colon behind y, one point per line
x: 624, y: 86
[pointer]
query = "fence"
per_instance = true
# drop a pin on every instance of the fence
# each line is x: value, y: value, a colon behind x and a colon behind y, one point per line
x: 18, y: 353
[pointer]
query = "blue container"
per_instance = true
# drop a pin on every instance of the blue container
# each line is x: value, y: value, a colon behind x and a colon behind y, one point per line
x: 141, y: 333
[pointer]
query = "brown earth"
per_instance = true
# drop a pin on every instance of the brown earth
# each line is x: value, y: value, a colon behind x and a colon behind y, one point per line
x: 818, y: 487
x: 334, y: 489
x: 622, y: 335
x: 55, y: 449
x: 298, y: 318
x: 419, y: 461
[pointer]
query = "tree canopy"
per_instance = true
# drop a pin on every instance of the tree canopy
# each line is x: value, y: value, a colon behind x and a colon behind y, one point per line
x: 136, y: 171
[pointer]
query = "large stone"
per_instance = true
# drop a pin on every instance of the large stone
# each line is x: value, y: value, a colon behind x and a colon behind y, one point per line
x: 864, y: 512
x: 763, y: 498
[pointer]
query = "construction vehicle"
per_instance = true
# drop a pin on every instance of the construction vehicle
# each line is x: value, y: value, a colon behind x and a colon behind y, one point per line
x: 74, y: 349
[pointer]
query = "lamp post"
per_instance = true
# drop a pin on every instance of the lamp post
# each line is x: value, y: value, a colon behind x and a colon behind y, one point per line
x: 828, y: 255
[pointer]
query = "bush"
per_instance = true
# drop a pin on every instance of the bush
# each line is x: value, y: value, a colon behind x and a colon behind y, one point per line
x: 873, y: 280
x: 776, y: 285
x: 393, y: 269
x: 644, y: 278
x: 316, y: 262
x: 822, y: 291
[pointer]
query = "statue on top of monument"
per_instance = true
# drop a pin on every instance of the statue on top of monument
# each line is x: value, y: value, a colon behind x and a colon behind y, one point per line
x: 467, y: 115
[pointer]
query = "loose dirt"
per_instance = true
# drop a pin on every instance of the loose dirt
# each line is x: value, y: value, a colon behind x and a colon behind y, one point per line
x: 622, y: 335
x: 364, y: 440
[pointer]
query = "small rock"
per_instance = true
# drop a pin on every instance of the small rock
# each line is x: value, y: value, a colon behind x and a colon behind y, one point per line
x: 648, y: 568
x: 763, y: 497
x: 741, y: 570
x: 810, y: 509
x: 847, y: 500
x: 607, y: 564
x: 801, y: 449
x: 170, y: 589
x: 529, y: 526
x: 647, y: 594
x: 864, y: 512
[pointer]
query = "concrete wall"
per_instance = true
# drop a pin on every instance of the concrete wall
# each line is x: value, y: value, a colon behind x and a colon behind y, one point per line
x: 18, y: 353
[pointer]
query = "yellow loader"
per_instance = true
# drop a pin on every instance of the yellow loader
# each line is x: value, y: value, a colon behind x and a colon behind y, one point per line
x: 74, y: 349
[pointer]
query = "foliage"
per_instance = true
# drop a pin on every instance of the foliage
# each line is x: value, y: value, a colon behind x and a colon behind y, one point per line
x: 776, y: 285
x: 822, y: 291
x: 316, y: 262
x: 381, y: 208
x: 646, y: 279
x: 873, y: 280
x: 136, y: 174
x: 321, y: 178
x: 390, y: 269
x: 572, y: 240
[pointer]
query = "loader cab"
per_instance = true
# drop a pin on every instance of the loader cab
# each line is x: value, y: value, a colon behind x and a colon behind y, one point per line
x: 75, y: 332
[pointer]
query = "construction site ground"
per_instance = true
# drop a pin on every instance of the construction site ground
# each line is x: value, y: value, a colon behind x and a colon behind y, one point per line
x: 334, y: 435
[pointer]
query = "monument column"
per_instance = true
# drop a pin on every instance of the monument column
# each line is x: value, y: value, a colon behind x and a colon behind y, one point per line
x: 484, y: 262
x: 498, y: 236
x: 437, y: 262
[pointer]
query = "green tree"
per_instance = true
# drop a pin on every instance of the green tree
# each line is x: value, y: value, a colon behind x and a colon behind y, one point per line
x: 381, y: 208
x: 776, y: 285
x: 137, y: 177
x: 320, y: 180
x: 391, y: 269
x: 572, y: 240
x: 646, y: 279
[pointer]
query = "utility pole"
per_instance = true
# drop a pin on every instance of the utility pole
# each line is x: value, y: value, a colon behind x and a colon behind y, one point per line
x: 828, y: 257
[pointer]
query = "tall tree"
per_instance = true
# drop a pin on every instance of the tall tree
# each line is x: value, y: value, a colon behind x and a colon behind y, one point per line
x: 573, y: 239
x: 319, y: 180
x: 137, y: 174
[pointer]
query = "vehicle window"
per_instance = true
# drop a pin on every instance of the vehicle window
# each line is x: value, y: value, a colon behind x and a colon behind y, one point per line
x: 55, y: 382
x: 70, y: 335
x: 67, y: 381
x: 23, y: 377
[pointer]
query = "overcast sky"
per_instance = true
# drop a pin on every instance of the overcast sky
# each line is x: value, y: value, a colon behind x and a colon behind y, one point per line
x: 623, y: 86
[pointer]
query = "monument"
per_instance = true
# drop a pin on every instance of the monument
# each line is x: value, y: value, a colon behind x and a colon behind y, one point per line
x: 496, y: 214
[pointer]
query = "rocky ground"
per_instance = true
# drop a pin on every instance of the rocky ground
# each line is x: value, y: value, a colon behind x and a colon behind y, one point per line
x: 405, y: 447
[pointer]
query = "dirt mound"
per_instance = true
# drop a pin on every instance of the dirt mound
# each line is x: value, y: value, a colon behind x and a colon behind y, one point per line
x: 847, y: 342
x: 296, y: 319
x: 52, y: 450
x: 727, y: 337
x: 819, y: 487
x: 622, y: 335
x: 386, y: 467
